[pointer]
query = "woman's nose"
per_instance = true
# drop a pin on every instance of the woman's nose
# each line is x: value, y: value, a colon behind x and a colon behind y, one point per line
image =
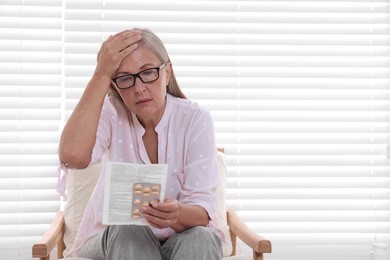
x: 139, y: 86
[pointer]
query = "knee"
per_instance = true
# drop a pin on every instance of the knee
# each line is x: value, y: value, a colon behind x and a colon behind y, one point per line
x: 200, y: 231
x: 204, y: 242
x: 202, y: 234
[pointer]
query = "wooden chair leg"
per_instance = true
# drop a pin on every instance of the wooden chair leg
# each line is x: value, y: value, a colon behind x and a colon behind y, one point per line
x: 233, y: 237
x: 257, y: 256
x: 60, y: 249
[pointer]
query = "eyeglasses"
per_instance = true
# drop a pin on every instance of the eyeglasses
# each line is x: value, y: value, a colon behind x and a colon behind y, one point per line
x: 146, y: 76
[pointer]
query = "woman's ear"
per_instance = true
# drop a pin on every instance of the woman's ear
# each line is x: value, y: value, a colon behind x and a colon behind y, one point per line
x: 168, y: 71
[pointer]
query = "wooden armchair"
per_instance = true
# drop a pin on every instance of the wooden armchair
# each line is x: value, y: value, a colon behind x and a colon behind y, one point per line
x: 64, y: 227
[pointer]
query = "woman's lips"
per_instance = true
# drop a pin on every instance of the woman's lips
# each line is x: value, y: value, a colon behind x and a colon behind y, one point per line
x: 143, y: 101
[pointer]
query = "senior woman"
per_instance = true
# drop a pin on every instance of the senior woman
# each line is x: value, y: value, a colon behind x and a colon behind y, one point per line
x: 132, y: 110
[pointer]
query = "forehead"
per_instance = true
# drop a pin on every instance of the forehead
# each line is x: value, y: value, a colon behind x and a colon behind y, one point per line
x: 139, y: 59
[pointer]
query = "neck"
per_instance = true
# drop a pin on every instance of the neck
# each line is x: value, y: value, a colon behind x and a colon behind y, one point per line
x: 151, y: 121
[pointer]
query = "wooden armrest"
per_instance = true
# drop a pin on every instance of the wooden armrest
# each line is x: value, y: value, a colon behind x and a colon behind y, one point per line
x: 52, y: 237
x: 248, y: 236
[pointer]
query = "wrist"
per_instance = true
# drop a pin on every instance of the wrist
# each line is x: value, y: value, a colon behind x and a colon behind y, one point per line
x: 101, y: 81
x: 100, y: 75
x: 179, y: 210
x: 177, y: 225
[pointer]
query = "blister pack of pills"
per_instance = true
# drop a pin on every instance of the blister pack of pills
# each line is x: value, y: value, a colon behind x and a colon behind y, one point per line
x: 144, y: 194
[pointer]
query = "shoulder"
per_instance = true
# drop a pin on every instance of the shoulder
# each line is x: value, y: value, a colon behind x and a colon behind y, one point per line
x: 189, y: 114
x: 113, y: 104
x: 113, y: 108
x: 187, y: 106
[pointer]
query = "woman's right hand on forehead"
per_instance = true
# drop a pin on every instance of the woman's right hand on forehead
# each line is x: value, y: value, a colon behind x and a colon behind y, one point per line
x: 115, y: 49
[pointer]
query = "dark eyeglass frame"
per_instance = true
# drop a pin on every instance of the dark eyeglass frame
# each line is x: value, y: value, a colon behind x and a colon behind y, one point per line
x: 138, y: 75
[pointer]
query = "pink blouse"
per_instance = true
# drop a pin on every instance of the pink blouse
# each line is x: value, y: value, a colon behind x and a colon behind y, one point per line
x: 185, y: 142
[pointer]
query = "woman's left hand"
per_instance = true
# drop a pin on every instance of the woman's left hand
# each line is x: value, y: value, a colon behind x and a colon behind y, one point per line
x: 162, y: 214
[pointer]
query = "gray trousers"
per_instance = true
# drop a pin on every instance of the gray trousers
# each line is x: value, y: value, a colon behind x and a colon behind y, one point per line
x: 132, y: 242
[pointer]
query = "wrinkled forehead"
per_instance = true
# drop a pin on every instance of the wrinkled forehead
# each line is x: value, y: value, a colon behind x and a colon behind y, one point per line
x: 141, y: 58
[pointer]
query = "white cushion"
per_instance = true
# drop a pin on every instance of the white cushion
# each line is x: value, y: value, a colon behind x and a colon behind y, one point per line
x: 80, y: 184
x: 221, y: 205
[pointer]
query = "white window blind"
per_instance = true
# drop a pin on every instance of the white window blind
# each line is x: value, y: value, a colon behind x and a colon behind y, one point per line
x: 30, y: 115
x: 299, y: 94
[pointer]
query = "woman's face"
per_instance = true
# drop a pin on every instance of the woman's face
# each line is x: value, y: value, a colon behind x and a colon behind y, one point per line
x: 146, y: 100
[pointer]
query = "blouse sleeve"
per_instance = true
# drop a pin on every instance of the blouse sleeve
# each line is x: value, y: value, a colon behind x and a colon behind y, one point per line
x: 201, y: 171
x: 104, y: 132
